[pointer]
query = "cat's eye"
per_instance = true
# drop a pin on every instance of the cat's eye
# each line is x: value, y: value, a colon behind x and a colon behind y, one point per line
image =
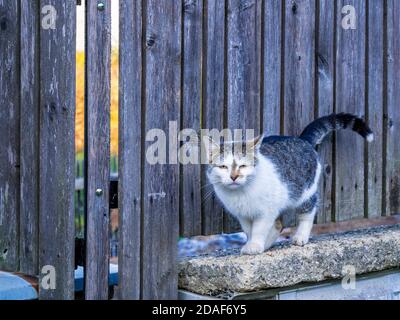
x: 242, y: 166
x: 223, y: 167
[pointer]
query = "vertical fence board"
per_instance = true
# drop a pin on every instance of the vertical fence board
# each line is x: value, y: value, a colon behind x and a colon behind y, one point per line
x: 98, y: 72
x: 375, y: 107
x: 299, y: 65
x: 29, y: 199
x: 57, y: 149
x: 191, y: 86
x: 213, y: 102
x: 350, y: 97
x: 299, y: 70
x: 325, y: 76
x: 244, y: 72
x: 161, y: 182
x: 272, y: 67
x: 393, y: 102
x: 9, y: 132
x: 130, y: 167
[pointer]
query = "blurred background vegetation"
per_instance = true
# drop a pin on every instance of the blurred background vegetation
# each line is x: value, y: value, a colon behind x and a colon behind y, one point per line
x: 80, y: 137
x: 80, y: 99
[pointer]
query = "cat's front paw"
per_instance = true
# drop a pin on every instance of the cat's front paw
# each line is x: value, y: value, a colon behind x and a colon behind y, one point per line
x: 252, y: 248
x: 300, y: 240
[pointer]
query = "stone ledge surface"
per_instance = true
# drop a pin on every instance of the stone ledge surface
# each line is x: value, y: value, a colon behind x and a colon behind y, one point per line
x: 284, y: 265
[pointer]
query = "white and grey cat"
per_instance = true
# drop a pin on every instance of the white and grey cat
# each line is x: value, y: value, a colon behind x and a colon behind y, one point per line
x: 274, y: 174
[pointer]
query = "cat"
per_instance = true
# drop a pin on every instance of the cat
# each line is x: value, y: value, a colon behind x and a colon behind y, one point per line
x: 273, y: 174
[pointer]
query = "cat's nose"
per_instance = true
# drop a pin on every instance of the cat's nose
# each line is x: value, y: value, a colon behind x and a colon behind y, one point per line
x: 234, y: 178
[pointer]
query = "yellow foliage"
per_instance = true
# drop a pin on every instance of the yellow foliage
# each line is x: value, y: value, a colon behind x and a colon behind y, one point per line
x: 80, y: 100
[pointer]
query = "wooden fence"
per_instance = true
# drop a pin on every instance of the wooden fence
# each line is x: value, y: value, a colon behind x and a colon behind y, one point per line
x: 268, y: 65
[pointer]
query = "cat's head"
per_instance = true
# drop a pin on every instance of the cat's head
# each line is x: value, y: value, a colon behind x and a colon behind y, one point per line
x: 232, y: 165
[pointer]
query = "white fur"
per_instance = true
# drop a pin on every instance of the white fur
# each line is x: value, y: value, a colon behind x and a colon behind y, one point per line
x: 264, y: 195
x: 257, y: 199
x: 256, y: 203
x: 307, y: 194
x: 370, y: 137
x: 303, y: 230
x: 271, y: 238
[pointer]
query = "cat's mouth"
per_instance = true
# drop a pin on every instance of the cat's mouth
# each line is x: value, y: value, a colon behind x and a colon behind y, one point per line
x: 234, y: 185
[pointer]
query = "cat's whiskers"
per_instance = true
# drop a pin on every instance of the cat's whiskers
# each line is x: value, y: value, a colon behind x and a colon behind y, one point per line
x: 206, y: 185
x: 210, y: 192
x: 208, y: 196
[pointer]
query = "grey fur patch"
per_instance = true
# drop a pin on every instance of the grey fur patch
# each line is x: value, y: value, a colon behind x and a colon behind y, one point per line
x: 317, y: 130
x: 295, y: 160
x: 308, y: 205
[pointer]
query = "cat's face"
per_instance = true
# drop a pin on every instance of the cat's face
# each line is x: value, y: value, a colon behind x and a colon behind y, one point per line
x: 232, y: 165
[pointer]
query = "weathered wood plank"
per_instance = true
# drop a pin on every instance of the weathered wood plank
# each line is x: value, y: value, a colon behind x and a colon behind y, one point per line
x: 346, y: 226
x: 375, y: 107
x: 190, y: 217
x: 272, y: 80
x: 299, y: 65
x: 29, y: 198
x: 57, y: 149
x: 350, y: 97
x: 299, y: 81
x: 244, y: 61
x: 213, y: 103
x: 325, y: 88
x: 244, y: 72
x: 130, y: 147
x: 392, y: 124
x: 161, y: 182
x: 9, y: 132
x: 97, y: 114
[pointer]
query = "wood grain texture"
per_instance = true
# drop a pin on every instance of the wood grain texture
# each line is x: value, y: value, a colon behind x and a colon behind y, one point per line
x: 346, y: 226
x: 57, y: 150
x: 29, y: 198
x: 375, y: 110
x: 350, y: 98
x: 98, y: 72
x: 272, y: 57
x: 392, y: 124
x: 244, y: 62
x: 130, y: 148
x: 214, y: 103
x: 161, y: 182
x: 325, y: 99
x: 299, y: 65
x: 244, y: 72
x: 190, y: 216
x: 299, y: 81
x: 9, y: 132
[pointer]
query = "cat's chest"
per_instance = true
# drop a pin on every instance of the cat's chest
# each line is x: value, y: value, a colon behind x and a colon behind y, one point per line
x: 249, y: 204
x: 266, y: 194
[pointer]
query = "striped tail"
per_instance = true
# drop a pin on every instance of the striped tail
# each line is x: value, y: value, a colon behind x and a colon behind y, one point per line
x: 317, y: 130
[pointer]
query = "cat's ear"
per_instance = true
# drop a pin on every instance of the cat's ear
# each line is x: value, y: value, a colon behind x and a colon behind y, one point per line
x: 211, y: 148
x: 255, y: 144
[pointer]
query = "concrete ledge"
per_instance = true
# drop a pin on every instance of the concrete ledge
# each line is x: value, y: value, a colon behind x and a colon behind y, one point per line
x: 284, y: 265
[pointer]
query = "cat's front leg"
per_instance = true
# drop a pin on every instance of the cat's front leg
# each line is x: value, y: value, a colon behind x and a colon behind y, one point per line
x: 246, y: 223
x: 260, y: 230
x: 273, y: 234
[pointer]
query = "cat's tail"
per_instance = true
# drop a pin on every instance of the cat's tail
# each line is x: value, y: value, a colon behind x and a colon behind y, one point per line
x: 317, y: 130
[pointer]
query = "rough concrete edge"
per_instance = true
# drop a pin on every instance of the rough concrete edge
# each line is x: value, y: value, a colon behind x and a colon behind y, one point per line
x: 322, y: 259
